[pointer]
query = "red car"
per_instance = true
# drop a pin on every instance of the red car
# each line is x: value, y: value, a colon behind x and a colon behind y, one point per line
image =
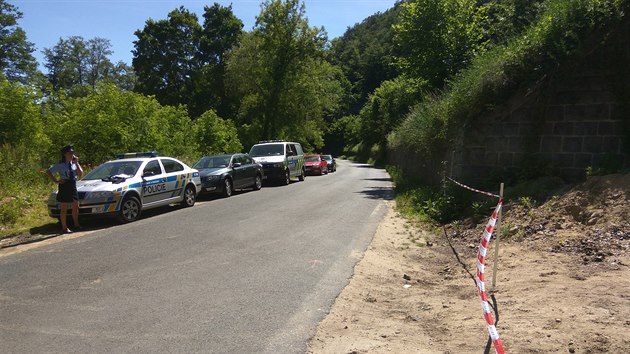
x: 315, y: 164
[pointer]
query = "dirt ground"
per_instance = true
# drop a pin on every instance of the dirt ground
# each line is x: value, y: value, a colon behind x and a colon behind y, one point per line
x: 563, y: 281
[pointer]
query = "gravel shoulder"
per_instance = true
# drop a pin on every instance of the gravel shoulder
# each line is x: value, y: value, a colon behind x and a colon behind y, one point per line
x: 563, y: 282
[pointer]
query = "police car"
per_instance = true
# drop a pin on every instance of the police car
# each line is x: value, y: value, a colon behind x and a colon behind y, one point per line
x: 281, y: 160
x: 131, y: 183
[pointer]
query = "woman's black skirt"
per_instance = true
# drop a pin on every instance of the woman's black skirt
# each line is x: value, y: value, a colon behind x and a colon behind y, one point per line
x: 67, y: 192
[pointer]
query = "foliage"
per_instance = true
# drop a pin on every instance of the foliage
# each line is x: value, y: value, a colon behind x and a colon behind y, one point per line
x: 437, y: 39
x: 278, y: 74
x: 182, y: 62
x: 366, y: 55
x: 507, y: 19
x: 386, y: 108
x: 20, y: 165
x: 558, y: 34
x: 109, y: 121
x: 414, y: 198
x: 215, y: 135
x: 342, y: 133
x: 76, y: 66
x: 165, y: 56
x: 20, y: 121
x: 16, y: 60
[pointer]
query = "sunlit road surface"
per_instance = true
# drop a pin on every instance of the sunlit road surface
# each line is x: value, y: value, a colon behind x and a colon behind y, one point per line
x: 253, y: 273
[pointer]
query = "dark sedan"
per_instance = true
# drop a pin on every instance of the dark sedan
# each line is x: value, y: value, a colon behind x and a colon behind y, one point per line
x: 332, y: 163
x: 225, y: 173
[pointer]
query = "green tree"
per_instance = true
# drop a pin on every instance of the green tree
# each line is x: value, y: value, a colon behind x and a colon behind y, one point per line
x: 109, y: 121
x: 16, y: 60
x: 220, y: 34
x: 165, y: 56
x: 285, y: 86
x: 386, y: 108
x: 20, y: 121
x: 215, y: 135
x: 366, y: 54
x: 182, y: 62
x: 437, y: 39
x: 509, y: 18
x: 76, y: 66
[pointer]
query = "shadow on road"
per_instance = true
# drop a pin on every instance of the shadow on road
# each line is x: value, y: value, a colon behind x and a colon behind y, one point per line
x: 385, y: 193
x: 378, y: 179
x: 88, y: 222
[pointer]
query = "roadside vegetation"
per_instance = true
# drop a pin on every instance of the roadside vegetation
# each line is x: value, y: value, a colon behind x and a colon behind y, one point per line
x: 409, y: 78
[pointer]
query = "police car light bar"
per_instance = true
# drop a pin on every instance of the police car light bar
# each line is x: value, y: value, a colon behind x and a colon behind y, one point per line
x: 137, y: 154
x: 270, y: 141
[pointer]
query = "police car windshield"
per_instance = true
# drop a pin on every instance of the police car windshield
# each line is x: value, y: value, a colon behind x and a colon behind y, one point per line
x: 267, y: 150
x: 212, y: 162
x: 311, y: 158
x: 114, y: 168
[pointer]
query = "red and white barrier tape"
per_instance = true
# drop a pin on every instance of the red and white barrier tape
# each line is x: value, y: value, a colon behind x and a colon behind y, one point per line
x: 481, y: 287
x: 473, y: 189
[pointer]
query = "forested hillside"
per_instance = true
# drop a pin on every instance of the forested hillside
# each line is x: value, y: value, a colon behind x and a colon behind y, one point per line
x: 409, y: 79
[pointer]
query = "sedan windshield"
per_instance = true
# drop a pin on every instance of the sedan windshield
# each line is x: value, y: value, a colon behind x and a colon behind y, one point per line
x: 212, y: 162
x: 113, y: 168
x: 327, y: 157
x: 311, y: 159
x: 267, y: 150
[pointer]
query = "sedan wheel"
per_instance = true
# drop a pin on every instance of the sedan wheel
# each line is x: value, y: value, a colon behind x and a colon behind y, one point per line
x: 227, y: 188
x: 258, y: 183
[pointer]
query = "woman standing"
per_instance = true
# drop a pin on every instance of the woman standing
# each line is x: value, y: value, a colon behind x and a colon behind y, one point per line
x: 69, y: 170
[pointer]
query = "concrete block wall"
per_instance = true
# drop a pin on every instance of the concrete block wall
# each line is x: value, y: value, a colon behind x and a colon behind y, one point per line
x: 576, y: 121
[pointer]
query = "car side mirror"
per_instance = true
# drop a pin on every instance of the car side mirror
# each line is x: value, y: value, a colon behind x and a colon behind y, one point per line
x: 236, y: 164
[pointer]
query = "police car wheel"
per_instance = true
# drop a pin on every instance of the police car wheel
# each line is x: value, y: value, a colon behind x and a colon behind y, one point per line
x: 258, y: 183
x: 227, y: 188
x: 189, y: 197
x: 130, y: 209
x: 302, y: 176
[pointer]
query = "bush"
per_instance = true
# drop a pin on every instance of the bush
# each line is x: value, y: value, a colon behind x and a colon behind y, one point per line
x: 441, y: 204
x: 558, y: 34
x: 215, y: 135
x: 110, y: 121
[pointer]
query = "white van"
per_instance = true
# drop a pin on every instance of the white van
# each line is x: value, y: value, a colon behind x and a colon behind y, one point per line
x: 281, y: 160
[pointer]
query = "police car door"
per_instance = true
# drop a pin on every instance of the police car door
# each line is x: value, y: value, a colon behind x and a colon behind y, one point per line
x: 153, y: 183
x: 175, y: 179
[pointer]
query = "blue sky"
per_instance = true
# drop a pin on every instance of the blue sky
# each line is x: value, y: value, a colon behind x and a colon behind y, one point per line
x: 45, y: 21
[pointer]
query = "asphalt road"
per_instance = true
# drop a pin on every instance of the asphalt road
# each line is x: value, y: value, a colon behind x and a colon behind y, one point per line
x: 254, y: 273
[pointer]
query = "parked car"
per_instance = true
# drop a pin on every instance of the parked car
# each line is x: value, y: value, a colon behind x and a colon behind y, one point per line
x: 315, y: 164
x: 225, y: 173
x: 281, y: 160
x: 132, y: 183
x: 332, y: 163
